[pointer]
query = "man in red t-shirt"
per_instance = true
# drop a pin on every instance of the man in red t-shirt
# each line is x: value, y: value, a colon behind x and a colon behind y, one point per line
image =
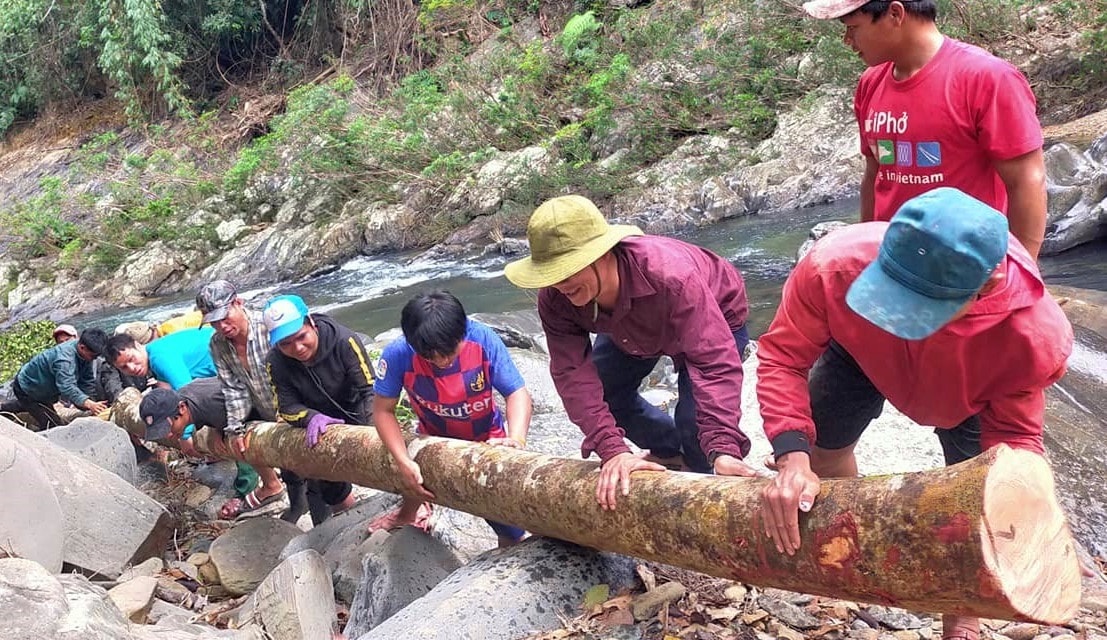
x: 934, y: 112
x: 942, y: 313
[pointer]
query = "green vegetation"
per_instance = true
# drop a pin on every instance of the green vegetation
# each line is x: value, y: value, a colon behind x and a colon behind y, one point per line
x: 20, y: 343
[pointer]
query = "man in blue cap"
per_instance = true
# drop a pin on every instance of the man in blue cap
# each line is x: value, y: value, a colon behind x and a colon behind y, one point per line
x: 321, y: 376
x: 941, y: 312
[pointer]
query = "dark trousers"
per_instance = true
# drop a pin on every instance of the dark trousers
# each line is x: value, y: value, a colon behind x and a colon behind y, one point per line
x: 42, y: 412
x: 316, y: 496
x: 844, y: 401
x: 646, y: 425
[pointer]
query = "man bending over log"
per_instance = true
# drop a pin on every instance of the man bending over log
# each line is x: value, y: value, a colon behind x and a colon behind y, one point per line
x: 941, y: 312
x: 644, y: 297
x: 448, y: 365
x: 320, y: 376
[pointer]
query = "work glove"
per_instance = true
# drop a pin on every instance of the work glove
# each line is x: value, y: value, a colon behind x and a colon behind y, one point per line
x: 317, y: 426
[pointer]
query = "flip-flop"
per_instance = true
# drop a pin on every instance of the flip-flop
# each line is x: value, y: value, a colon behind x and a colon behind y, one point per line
x: 247, y: 504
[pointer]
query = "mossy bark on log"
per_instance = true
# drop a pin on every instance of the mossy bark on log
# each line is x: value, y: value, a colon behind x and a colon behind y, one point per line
x: 985, y: 537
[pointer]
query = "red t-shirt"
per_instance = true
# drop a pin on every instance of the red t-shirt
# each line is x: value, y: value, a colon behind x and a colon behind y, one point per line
x: 994, y: 362
x: 945, y: 126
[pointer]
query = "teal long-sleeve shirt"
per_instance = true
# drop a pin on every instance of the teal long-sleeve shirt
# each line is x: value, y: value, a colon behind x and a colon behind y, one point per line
x: 58, y: 372
x: 182, y: 356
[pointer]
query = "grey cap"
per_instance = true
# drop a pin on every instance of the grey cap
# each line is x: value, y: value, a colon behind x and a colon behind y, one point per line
x: 214, y: 300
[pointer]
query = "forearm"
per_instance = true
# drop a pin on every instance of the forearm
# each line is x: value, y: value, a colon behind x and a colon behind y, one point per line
x: 519, y: 411
x: 388, y: 428
x: 868, y: 191
x: 1027, y: 215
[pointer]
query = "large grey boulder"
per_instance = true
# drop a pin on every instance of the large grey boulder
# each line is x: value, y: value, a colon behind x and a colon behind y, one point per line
x: 31, y: 526
x: 39, y: 606
x: 92, y: 615
x: 506, y: 594
x: 399, y: 568
x: 295, y: 601
x: 1077, y: 204
x: 498, y: 180
x: 321, y: 537
x: 31, y: 598
x: 102, y: 443
x: 249, y: 551
x: 109, y: 524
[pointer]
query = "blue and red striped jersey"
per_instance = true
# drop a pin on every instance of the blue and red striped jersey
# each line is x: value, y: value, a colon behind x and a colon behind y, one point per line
x: 455, y: 401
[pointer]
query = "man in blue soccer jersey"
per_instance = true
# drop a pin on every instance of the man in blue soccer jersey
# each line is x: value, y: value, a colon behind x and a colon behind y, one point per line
x: 449, y: 366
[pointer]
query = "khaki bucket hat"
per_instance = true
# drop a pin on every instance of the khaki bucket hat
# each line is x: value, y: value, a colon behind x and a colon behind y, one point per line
x: 566, y: 234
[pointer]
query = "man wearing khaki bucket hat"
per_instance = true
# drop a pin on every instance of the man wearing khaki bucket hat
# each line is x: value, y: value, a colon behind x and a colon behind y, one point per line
x: 644, y: 297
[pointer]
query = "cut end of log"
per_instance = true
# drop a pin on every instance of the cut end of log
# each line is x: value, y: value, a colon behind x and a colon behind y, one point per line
x: 1029, y: 553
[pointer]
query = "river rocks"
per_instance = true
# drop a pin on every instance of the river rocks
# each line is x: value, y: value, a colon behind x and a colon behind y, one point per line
x: 817, y: 232
x: 399, y: 568
x: 321, y: 537
x: 797, y: 167
x: 32, y: 525
x: 295, y: 601
x: 229, y: 231
x: 788, y: 613
x: 1077, y: 184
x: 519, y: 329
x: 154, y: 270
x: 247, y: 553
x: 506, y: 594
x: 497, y: 180
x: 99, y: 442
x: 31, y: 598
x: 134, y: 597
x: 139, y: 527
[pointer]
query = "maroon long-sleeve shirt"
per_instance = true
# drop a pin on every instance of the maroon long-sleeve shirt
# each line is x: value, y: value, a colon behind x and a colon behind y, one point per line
x: 674, y: 299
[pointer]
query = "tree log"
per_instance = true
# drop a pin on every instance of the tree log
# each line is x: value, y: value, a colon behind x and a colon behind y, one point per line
x: 985, y: 537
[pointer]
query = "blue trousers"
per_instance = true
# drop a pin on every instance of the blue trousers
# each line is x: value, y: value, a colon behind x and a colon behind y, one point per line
x: 646, y: 425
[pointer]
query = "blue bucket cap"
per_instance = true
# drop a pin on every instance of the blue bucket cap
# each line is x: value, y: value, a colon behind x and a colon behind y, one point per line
x: 939, y: 250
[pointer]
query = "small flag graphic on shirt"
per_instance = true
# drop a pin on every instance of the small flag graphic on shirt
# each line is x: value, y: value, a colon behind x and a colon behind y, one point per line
x: 928, y: 154
x: 904, y: 155
x: 885, y: 152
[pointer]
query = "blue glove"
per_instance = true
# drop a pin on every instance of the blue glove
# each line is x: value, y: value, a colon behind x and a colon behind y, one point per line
x: 317, y: 426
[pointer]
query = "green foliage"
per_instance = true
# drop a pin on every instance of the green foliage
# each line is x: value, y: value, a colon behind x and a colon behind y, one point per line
x: 37, y: 226
x: 578, y: 39
x: 310, y: 139
x: 21, y: 342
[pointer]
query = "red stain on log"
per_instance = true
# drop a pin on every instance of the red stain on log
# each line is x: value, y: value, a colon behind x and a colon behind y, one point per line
x: 957, y: 529
x: 837, y: 543
x: 891, y: 558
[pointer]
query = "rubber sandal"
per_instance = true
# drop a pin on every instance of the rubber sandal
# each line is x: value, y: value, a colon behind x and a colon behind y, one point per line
x: 248, y: 504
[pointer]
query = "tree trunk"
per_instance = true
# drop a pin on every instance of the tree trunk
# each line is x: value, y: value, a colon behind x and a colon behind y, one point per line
x: 984, y: 538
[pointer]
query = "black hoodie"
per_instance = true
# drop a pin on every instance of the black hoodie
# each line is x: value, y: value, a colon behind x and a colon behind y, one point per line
x: 337, y: 382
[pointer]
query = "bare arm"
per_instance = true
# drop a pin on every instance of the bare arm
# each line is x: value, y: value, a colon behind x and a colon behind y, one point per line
x: 388, y: 428
x: 519, y: 410
x: 868, y: 190
x: 1024, y: 178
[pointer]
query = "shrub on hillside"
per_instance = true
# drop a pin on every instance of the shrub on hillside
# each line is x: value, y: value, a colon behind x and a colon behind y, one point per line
x: 20, y: 343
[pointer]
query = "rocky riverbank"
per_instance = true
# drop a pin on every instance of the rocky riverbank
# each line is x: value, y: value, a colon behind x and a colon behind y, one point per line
x: 280, y: 234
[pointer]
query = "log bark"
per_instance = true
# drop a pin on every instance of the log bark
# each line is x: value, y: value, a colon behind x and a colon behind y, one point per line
x: 984, y: 538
